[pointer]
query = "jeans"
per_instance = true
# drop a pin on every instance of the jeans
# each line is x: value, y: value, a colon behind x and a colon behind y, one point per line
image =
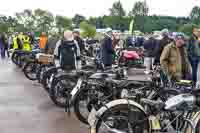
x: 148, y: 63
x: 194, y: 63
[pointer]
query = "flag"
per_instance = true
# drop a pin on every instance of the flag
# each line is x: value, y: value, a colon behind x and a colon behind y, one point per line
x: 131, y: 26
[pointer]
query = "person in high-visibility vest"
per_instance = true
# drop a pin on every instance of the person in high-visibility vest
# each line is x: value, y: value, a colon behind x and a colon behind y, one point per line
x: 26, y: 43
x: 15, y: 43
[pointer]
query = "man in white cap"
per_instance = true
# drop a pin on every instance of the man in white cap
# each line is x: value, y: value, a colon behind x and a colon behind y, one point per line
x: 107, y: 50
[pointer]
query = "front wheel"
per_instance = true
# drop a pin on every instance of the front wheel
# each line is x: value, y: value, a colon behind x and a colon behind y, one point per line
x: 86, y: 99
x: 30, y: 70
x: 123, y: 118
x: 60, y: 89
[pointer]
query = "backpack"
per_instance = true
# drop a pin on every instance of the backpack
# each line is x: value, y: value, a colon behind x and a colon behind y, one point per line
x: 68, y: 55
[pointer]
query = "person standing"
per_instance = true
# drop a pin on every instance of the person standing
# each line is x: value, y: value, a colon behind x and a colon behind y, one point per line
x: 6, y: 45
x: 43, y: 40
x: 2, y: 46
x: 51, y: 44
x: 174, y: 59
x: 69, y: 52
x: 107, y: 50
x: 79, y: 40
x: 151, y: 48
x: 194, y: 53
x: 163, y: 42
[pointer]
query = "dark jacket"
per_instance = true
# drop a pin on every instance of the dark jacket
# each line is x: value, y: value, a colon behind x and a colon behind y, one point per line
x: 80, y: 43
x: 51, y: 44
x: 68, y: 53
x: 107, y: 51
x: 151, y: 47
x: 193, y: 48
x: 162, y: 43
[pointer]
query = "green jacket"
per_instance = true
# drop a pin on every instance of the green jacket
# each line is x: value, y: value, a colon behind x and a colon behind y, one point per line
x: 171, y: 61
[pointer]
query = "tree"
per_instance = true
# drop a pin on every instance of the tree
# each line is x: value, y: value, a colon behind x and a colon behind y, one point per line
x: 117, y: 9
x: 195, y: 14
x: 63, y: 23
x: 43, y: 20
x: 77, y: 19
x: 187, y: 28
x: 87, y: 30
x: 139, y: 9
x: 26, y: 18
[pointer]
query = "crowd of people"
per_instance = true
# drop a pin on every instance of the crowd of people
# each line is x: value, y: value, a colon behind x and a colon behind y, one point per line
x: 177, y: 55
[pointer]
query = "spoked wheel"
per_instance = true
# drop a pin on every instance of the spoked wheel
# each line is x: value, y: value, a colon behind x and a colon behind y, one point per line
x: 197, y: 130
x: 42, y: 69
x: 123, y: 118
x: 61, y: 89
x: 30, y: 70
x: 46, y: 77
x: 85, y: 100
x: 14, y: 58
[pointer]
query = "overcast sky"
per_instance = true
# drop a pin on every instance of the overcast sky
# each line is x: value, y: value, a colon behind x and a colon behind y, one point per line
x: 97, y: 7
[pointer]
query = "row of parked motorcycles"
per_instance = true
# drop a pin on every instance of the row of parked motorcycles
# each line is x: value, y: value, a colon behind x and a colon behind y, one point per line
x: 109, y: 102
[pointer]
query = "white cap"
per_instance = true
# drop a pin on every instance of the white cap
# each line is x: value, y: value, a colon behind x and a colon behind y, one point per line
x: 108, y: 30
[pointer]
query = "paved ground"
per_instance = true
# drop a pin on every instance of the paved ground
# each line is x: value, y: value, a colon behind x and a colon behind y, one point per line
x: 26, y: 108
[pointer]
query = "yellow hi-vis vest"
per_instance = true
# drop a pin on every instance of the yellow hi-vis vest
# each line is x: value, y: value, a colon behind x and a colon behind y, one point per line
x: 26, y: 45
x: 21, y: 37
x: 15, y: 44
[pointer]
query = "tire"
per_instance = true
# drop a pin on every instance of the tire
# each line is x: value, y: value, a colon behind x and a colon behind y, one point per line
x: 43, y: 69
x: 84, y: 94
x: 60, y: 88
x: 46, y: 77
x: 123, y: 111
x: 14, y: 58
x: 31, y: 74
x: 197, y: 130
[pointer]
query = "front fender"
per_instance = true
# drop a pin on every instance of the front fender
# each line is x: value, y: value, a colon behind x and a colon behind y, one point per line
x: 109, y: 105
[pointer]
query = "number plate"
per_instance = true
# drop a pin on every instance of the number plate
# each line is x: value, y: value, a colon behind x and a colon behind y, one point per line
x: 92, y: 117
x: 76, y: 88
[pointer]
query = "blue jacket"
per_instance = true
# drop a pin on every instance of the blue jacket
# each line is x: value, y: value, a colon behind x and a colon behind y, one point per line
x: 107, y: 51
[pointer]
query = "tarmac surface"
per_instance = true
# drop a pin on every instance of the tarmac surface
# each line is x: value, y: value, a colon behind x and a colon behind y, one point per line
x: 25, y: 106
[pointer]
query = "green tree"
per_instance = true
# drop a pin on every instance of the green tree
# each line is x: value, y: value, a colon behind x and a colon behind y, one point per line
x: 87, y: 30
x: 117, y: 9
x: 187, y: 28
x: 43, y: 20
x: 195, y: 14
x: 139, y: 9
x: 26, y: 18
x: 77, y: 19
x: 63, y: 23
